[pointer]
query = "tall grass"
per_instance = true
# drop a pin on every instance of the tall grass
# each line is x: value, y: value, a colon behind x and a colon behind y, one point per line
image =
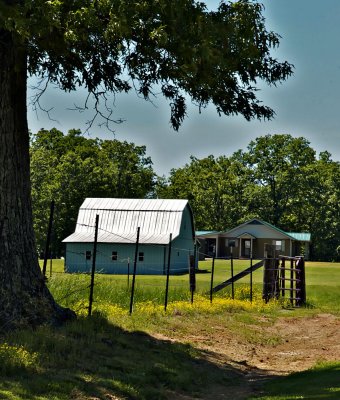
x: 72, y: 290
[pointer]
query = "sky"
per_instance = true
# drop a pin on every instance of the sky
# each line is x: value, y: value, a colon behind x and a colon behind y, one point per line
x: 307, y: 104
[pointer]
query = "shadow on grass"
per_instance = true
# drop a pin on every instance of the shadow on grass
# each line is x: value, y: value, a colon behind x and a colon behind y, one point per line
x: 322, y: 382
x: 93, y: 359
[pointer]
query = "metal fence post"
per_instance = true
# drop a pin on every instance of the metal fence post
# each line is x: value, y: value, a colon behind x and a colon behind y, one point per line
x: 168, y: 274
x: 134, y: 271
x: 93, y: 264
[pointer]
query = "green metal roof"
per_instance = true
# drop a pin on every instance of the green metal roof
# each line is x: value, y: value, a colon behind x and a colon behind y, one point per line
x: 301, y: 237
x: 203, y: 233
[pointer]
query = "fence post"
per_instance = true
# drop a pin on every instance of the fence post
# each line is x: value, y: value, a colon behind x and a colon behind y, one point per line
x: 301, y: 282
x: 283, y: 277
x: 48, y: 238
x: 270, y: 273
x: 168, y: 274
x: 292, y: 291
x: 134, y: 271
x: 212, y: 277
x: 251, y: 277
x: 128, y: 274
x: 93, y: 264
x: 232, y: 273
x: 192, y: 274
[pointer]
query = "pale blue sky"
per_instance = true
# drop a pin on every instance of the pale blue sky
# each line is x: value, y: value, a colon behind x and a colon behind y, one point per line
x: 308, y: 104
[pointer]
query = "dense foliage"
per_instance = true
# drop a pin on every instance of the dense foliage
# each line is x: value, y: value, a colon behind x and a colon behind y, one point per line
x: 69, y: 168
x: 215, y: 57
x: 278, y: 179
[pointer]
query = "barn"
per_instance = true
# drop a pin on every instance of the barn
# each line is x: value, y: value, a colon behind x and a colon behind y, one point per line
x: 117, y: 234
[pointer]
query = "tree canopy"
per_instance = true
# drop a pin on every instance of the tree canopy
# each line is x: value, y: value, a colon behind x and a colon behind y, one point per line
x: 213, y: 57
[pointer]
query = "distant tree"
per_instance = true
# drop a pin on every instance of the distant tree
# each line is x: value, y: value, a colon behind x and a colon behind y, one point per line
x: 217, y: 189
x: 321, y: 209
x: 278, y: 164
x: 69, y: 168
x: 299, y: 192
x: 111, y: 46
x: 278, y: 179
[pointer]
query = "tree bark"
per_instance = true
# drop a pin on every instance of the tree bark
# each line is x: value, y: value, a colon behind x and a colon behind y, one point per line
x: 24, y: 297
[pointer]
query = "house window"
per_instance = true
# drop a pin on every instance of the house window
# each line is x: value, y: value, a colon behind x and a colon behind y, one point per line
x: 279, y: 245
x: 141, y: 256
x: 88, y: 254
x: 231, y: 243
x: 114, y: 256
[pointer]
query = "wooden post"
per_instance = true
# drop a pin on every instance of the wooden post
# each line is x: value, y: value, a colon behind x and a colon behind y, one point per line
x: 93, y: 264
x: 270, y: 273
x: 48, y: 238
x: 301, y: 282
x: 134, y: 271
x: 292, y: 291
x: 232, y: 274
x: 251, y: 277
x: 168, y: 274
x: 192, y: 275
x: 283, y: 277
x: 212, y: 277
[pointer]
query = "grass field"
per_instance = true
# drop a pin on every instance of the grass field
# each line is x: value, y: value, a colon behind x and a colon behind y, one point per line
x: 153, y: 354
x: 322, y: 281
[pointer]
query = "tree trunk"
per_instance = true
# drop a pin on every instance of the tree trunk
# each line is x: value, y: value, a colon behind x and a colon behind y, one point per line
x: 24, y: 297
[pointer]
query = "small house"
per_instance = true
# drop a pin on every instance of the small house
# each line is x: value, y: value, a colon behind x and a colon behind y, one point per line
x: 249, y: 238
x: 118, y: 222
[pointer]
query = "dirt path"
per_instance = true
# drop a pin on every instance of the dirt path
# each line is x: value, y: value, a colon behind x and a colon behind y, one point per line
x: 289, y: 345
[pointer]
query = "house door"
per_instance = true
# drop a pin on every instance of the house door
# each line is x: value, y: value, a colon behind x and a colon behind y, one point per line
x: 210, y: 247
x: 247, y: 247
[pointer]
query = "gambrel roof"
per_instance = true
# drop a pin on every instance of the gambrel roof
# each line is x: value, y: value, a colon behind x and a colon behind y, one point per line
x: 120, y: 218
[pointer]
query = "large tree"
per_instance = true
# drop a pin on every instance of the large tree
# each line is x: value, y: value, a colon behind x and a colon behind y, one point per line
x: 110, y: 46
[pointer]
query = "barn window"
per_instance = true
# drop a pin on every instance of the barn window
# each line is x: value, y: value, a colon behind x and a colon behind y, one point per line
x: 114, y: 256
x: 88, y: 254
x: 141, y: 256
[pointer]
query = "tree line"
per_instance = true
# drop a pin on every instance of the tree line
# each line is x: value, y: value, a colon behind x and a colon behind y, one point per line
x: 278, y: 178
x: 68, y: 168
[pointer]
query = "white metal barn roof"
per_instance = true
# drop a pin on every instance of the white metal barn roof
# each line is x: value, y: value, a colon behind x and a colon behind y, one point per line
x: 120, y: 218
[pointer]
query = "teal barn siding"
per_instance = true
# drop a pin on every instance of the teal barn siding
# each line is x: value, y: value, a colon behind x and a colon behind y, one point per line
x: 113, y: 258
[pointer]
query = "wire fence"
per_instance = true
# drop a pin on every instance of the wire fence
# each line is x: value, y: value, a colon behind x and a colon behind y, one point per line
x: 99, y: 262
x: 73, y: 289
